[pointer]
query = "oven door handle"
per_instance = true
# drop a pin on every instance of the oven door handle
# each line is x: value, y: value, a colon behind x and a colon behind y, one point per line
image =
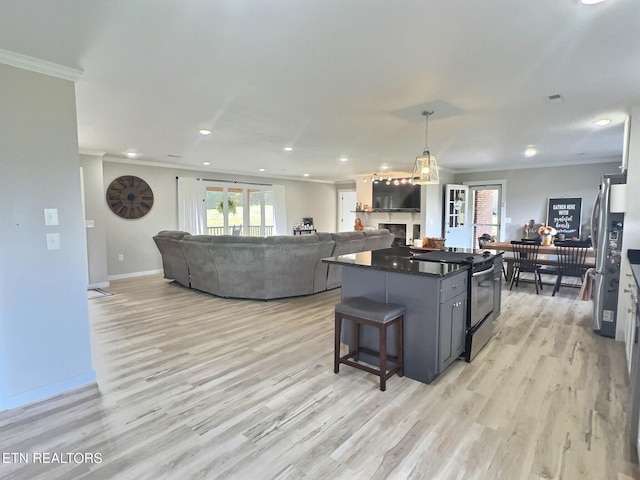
x: 483, y: 272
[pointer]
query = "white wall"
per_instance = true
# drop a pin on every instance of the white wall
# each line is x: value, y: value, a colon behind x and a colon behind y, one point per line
x: 44, y: 325
x: 95, y: 212
x: 434, y: 197
x: 529, y: 189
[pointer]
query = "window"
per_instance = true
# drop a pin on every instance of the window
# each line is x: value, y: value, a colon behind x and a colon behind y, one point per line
x: 240, y: 210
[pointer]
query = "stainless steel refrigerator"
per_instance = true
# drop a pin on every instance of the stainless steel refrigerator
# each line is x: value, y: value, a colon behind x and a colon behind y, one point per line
x: 606, y: 237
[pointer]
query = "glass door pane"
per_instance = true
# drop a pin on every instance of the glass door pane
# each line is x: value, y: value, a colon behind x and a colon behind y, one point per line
x: 215, y: 211
x: 269, y: 213
x: 255, y: 213
x: 486, y: 212
x: 235, y: 207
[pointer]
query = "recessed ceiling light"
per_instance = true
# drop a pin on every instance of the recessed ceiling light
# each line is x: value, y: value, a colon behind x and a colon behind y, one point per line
x: 530, y: 152
x: 344, y: 159
x: 288, y: 148
x: 262, y: 169
x: 131, y: 154
x: 384, y: 166
x: 602, y: 122
x: 206, y: 163
x: 305, y: 174
x: 591, y: 2
x: 205, y: 131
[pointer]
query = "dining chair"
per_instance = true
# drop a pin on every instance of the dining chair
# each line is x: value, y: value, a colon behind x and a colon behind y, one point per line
x: 237, y: 230
x: 525, y: 254
x: 482, y: 241
x: 571, y: 262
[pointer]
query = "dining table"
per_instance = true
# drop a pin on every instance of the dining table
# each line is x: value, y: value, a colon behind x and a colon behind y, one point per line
x: 547, y: 255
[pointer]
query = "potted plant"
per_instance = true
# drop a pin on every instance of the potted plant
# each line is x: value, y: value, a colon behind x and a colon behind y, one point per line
x: 232, y: 205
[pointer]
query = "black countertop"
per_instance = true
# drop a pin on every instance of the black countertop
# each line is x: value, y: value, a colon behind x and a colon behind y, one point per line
x: 397, y: 260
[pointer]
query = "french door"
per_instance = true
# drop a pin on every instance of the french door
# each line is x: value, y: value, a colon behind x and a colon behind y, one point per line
x: 456, y: 216
x: 485, y: 204
x: 240, y: 210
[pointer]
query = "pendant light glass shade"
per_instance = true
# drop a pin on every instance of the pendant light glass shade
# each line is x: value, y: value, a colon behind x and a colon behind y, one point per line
x: 425, y: 170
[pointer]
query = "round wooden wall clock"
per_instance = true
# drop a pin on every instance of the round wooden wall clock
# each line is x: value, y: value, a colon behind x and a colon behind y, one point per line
x: 129, y: 197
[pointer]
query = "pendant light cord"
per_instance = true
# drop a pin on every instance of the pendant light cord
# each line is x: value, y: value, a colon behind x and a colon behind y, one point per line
x: 426, y: 130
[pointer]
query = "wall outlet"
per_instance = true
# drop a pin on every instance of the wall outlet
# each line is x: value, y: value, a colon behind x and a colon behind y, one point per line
x: 53, y: 241
x: 121, y: 257
x: 51, y: 216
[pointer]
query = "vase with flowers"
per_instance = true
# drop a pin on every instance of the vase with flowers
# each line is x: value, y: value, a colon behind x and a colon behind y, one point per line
x: 546, y: 232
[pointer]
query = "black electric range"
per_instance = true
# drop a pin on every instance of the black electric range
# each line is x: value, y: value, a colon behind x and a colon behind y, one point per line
x: 480, y: 292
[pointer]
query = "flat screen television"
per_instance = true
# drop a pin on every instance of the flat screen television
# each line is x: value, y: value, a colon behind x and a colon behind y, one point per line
x: 404, y: 196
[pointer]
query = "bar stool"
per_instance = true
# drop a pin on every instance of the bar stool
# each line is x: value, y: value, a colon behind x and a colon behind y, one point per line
x: 359, y: 311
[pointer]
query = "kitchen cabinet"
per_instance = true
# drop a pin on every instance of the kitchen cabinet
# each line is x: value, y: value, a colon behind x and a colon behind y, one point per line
x: 451, y: 333
x: 629, y: 303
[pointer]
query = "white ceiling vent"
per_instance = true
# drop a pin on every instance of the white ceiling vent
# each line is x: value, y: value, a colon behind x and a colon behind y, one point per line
x: 555, y: 98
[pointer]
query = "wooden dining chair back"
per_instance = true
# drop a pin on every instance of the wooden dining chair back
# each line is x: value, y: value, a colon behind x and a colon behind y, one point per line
x: 525, y: 260
x: 571, y: 263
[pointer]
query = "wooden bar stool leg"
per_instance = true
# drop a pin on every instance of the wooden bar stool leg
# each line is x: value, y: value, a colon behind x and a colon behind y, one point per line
x: 336, y: 350
x: 400, y: 342
x: 383, y: 357
x: 356, y: 339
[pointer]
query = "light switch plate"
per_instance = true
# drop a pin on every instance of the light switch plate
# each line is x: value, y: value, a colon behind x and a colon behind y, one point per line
x: 51, y: 216
x: 53, y: 241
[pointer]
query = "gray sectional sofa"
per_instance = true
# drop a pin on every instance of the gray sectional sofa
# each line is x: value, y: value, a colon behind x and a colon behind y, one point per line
x: 261, y: 267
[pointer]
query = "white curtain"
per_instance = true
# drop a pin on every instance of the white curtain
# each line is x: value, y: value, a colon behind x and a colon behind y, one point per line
x: 192, y: 212
x: 280, y: 210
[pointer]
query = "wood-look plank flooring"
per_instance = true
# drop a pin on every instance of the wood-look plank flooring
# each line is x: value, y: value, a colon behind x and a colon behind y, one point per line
x: 195, y: 386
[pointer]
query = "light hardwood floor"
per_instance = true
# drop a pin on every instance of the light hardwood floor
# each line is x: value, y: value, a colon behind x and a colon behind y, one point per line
x: 195, y: 386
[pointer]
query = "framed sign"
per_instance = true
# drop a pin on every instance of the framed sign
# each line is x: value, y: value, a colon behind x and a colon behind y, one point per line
x: 565, y: 215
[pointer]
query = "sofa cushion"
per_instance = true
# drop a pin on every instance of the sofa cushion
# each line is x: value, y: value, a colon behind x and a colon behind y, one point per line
x: 377, y: 239
x: 177, y: 234
x: 235, y: 239
x: 346, y: 242
x: 174, y: 264
x: 325, y: 236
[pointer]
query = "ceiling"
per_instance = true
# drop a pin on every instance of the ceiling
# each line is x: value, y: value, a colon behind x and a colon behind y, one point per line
x: 337, y: 78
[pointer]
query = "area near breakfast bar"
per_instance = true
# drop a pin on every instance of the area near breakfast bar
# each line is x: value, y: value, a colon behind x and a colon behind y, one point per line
x: 438, y: 296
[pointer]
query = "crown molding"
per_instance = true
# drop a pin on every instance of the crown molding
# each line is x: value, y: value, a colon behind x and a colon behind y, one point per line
x: 39, y: 66
x: 93, y: 153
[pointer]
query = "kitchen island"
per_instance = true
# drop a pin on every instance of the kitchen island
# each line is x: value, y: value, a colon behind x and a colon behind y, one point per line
x: 435, y: 295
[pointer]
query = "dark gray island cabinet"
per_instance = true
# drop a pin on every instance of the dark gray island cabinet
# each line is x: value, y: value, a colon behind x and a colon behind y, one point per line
x: 434, y: 294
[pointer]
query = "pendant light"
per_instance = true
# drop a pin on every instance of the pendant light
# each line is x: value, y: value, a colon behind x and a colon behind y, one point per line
x: 425, y: 170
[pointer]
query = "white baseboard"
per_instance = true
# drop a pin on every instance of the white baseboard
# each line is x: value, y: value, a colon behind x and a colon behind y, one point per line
x: 134, y: 274
x: 41, y: 393
x: 91, y: 286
